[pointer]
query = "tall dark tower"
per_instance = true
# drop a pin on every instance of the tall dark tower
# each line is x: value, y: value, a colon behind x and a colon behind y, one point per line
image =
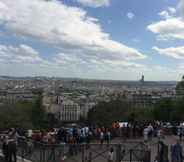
x: 142, y: 79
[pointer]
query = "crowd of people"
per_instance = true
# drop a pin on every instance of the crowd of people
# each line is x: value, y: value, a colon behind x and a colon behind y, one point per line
x: 75, y: 135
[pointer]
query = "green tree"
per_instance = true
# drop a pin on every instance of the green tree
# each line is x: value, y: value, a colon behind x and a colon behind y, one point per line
x: 178, y: 112
x: 105, y: 113
x: 17, y: 115
x: 38, y: 114
x: 52, y: 121
x: 180, y: 87
x: 164, y: 110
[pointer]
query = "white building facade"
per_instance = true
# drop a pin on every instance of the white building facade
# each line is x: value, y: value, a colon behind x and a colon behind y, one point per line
x: 69, y: 111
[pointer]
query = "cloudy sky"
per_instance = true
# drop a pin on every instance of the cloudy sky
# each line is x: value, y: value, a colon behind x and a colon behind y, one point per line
x: 101, y: 39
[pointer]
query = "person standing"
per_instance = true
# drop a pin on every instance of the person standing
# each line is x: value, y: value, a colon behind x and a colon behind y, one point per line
x: 145, y: 133
x: 180, y: 133
x: 177, y: 152
x: 12, y: 145
x: 12, y: 149
x: 101, y: 137
x: 108, y: 137
x: 162, y: 152
x: 5, y: 148
x: 150, y: 131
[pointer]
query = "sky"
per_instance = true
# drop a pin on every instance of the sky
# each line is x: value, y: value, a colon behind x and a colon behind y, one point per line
x: 94, y: 39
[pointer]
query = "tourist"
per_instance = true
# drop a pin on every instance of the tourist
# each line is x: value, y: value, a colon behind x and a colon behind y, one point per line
x: 162, y: 152
x: 101, y: 137
x: 108, y: 137
x: 159, y: 134
x: 145, y: 133
x: 12, y: 149
x: 150, y: 131
x: 5, y: 148
x: 176, y: 152
x: 180, y: 133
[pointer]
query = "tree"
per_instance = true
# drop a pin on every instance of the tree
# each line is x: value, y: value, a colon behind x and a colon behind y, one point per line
x: 38, y: 114
x: 17, y: 115
x: 164, y: 110
x: 24, y: 114
x: 52, y: 121
x: 105, y: 113
x: 180, y: 87
x: 178, y: 112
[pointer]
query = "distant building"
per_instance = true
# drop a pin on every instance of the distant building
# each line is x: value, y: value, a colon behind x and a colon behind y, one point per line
x: 50, y: 103
x: 145, y: 99
x: 69, y: 111
x: 16, y: 95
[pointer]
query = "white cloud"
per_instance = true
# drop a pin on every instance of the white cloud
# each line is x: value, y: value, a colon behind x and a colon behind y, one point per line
x: 28, y: 61
x: 74, y: 60
x: 172, y: 10
x: 94, y: 3
x: 172, y: 28
x: 68, y: 28
x: 169, y: 13
x: 130, y: 15
x: 174, y: 52
x: 164, y: 14
x: 74, y: 64
x: 21, y: 54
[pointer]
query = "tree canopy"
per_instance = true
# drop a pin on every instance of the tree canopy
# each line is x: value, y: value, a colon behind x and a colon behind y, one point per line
x: 23, y: 115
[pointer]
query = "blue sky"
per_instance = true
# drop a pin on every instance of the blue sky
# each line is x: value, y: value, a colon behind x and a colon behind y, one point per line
x: 101, y: 39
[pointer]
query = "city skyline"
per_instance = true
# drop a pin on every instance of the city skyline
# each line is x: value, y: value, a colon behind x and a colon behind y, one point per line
x: 95, y: 39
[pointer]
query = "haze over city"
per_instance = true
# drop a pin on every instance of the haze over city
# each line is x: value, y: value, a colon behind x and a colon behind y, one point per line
x: 96, y: 39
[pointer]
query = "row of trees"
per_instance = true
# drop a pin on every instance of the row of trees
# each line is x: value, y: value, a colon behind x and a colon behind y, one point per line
x: 165, y: 110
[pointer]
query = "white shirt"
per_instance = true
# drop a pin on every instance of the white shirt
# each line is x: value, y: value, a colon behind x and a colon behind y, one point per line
x: 101, y: 135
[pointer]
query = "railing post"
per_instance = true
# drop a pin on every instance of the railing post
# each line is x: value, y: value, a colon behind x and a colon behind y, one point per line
x: 90, y: 157
x: 22, y: 153
x: 54, y: 154
x: 118, y: 153
x: 40, y: 153
x: 158, y: 148
x: 41, y: 147
x: 83, y: 156
x: 44, y: 158
x: 131, y: 155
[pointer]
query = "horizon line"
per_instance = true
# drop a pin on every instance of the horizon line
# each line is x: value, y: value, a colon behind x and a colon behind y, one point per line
x: 81, y: 78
